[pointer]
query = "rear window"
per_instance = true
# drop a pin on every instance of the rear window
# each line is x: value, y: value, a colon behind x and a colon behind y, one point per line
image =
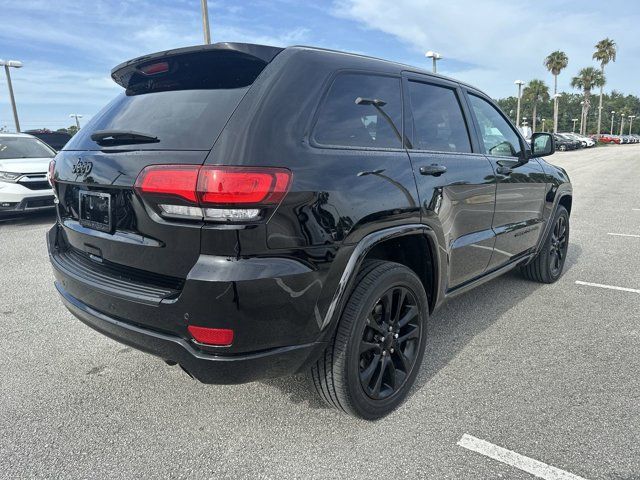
x: 343, y: 120
x: 23, y: 147
x: 185, y: 103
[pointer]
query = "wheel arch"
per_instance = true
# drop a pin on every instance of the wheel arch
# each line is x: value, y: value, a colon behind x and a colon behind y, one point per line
x: 383, y: 245
x: 566, y: 201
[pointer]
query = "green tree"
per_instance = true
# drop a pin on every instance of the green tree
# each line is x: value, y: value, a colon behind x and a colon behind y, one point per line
x: 71, y: 130
x: 555, y: 63
x: 536, y: 92
x: 587, y: 79
x: 605, y: 52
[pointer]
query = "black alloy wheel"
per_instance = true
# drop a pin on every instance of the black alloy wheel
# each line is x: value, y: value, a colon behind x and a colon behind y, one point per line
x: 372, y: 362
x: 389, y: 344
x: 558, y: 246
x: 548, y: 264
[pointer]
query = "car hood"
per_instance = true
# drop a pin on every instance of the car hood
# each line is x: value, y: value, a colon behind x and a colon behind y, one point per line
x: 25, y: 165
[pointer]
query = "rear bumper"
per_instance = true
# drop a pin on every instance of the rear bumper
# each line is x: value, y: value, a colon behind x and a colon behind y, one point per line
x: 269, y: 303
x: 205, y: 367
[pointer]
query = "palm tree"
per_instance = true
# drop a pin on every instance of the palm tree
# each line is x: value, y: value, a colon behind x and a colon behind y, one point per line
x: 555, y: 63
x: 605, y: 52
x: 587, y: 79
x: 536, y: 92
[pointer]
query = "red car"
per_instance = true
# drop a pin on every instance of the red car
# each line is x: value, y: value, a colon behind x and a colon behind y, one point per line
x: 604, y: 138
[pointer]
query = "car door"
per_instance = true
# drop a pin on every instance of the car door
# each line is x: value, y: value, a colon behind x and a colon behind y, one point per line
x: 456, y: 182
x: 518, y: 219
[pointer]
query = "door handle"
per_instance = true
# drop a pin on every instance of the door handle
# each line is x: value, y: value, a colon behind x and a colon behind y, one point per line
x: 433, y: 170
x: 504, y: 170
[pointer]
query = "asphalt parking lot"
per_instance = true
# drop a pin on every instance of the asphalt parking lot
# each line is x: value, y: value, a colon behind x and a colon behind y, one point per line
x: 551, y: 372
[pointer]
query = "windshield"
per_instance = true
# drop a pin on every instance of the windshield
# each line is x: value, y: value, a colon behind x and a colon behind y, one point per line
x: 23, y: 147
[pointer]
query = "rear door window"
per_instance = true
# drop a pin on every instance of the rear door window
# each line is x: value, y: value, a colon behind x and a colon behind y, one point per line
x: 438, y: 122
x: 361, y: 110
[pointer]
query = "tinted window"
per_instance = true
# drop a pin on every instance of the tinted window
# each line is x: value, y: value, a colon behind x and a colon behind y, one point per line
x: 23, y: 147
x: 342, y: 121
x: 182, y: 119
x: 498, y: 136
x: 437, y: 119
x: 186, y: 104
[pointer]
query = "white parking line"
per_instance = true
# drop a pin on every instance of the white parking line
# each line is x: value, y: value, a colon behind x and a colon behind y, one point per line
x: 636, y: 209
x: 624, y: 235
x: 529, y: 465
x: 610, y: 287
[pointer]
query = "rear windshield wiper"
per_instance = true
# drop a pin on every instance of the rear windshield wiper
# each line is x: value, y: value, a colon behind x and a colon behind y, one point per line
x: 121, y: 137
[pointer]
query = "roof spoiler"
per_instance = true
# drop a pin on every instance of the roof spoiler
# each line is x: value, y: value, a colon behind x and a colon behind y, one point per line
x: 264, y: 53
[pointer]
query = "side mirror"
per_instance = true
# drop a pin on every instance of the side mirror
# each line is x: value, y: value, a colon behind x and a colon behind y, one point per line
x: 542, y: 145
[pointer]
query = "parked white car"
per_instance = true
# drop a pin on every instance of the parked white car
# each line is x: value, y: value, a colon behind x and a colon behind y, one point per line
x: 24, y: 162
x: 586, y: 141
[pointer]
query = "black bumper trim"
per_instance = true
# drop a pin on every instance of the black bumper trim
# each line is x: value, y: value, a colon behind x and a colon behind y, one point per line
x: 204, y: 367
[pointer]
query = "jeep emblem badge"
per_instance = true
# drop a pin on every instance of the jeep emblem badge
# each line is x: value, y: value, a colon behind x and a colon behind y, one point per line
x: 82, y: 168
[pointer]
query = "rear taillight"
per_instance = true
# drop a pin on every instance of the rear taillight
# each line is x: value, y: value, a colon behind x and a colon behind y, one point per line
x: 213, y: 193
x: 170, y: 180
x: 235, y: 186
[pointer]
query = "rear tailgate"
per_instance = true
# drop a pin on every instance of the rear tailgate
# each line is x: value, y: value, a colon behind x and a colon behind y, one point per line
x: 176, y: 104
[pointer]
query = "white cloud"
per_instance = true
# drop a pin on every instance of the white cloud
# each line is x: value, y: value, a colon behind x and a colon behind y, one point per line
x: 497, y: 41
x: 77, y: 43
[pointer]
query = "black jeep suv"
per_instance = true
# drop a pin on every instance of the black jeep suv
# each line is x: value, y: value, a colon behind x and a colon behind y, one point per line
x: 247, y: 211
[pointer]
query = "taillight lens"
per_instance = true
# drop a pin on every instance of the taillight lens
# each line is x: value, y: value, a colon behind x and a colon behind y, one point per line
x: 240, y: 186
x: 169, y: 180
x: 214, y: 193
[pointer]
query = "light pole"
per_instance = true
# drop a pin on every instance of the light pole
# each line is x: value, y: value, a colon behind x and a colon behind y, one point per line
x: 613, y: 114
x: 631, y: 117
x: 574, y: 120
x: 434, y: 56
x: 556, y: 108
x: 77, y: 117
x: 621, y: 123
x: 543, y: 121
x: 519, y: 83
x: 581, y: 116
x: 14, y: 64
x: 205, y: 22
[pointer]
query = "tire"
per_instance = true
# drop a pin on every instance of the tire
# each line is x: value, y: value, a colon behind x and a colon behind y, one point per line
x: 562, y: 148
x: 372, y: 382
x: 547, y: 266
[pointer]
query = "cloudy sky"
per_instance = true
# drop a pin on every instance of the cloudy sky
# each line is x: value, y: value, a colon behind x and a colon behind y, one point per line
x: 69, y: 46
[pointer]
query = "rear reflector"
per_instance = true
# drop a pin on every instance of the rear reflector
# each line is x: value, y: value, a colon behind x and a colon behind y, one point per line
x: 213, y: 193
x: 211, y: 336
